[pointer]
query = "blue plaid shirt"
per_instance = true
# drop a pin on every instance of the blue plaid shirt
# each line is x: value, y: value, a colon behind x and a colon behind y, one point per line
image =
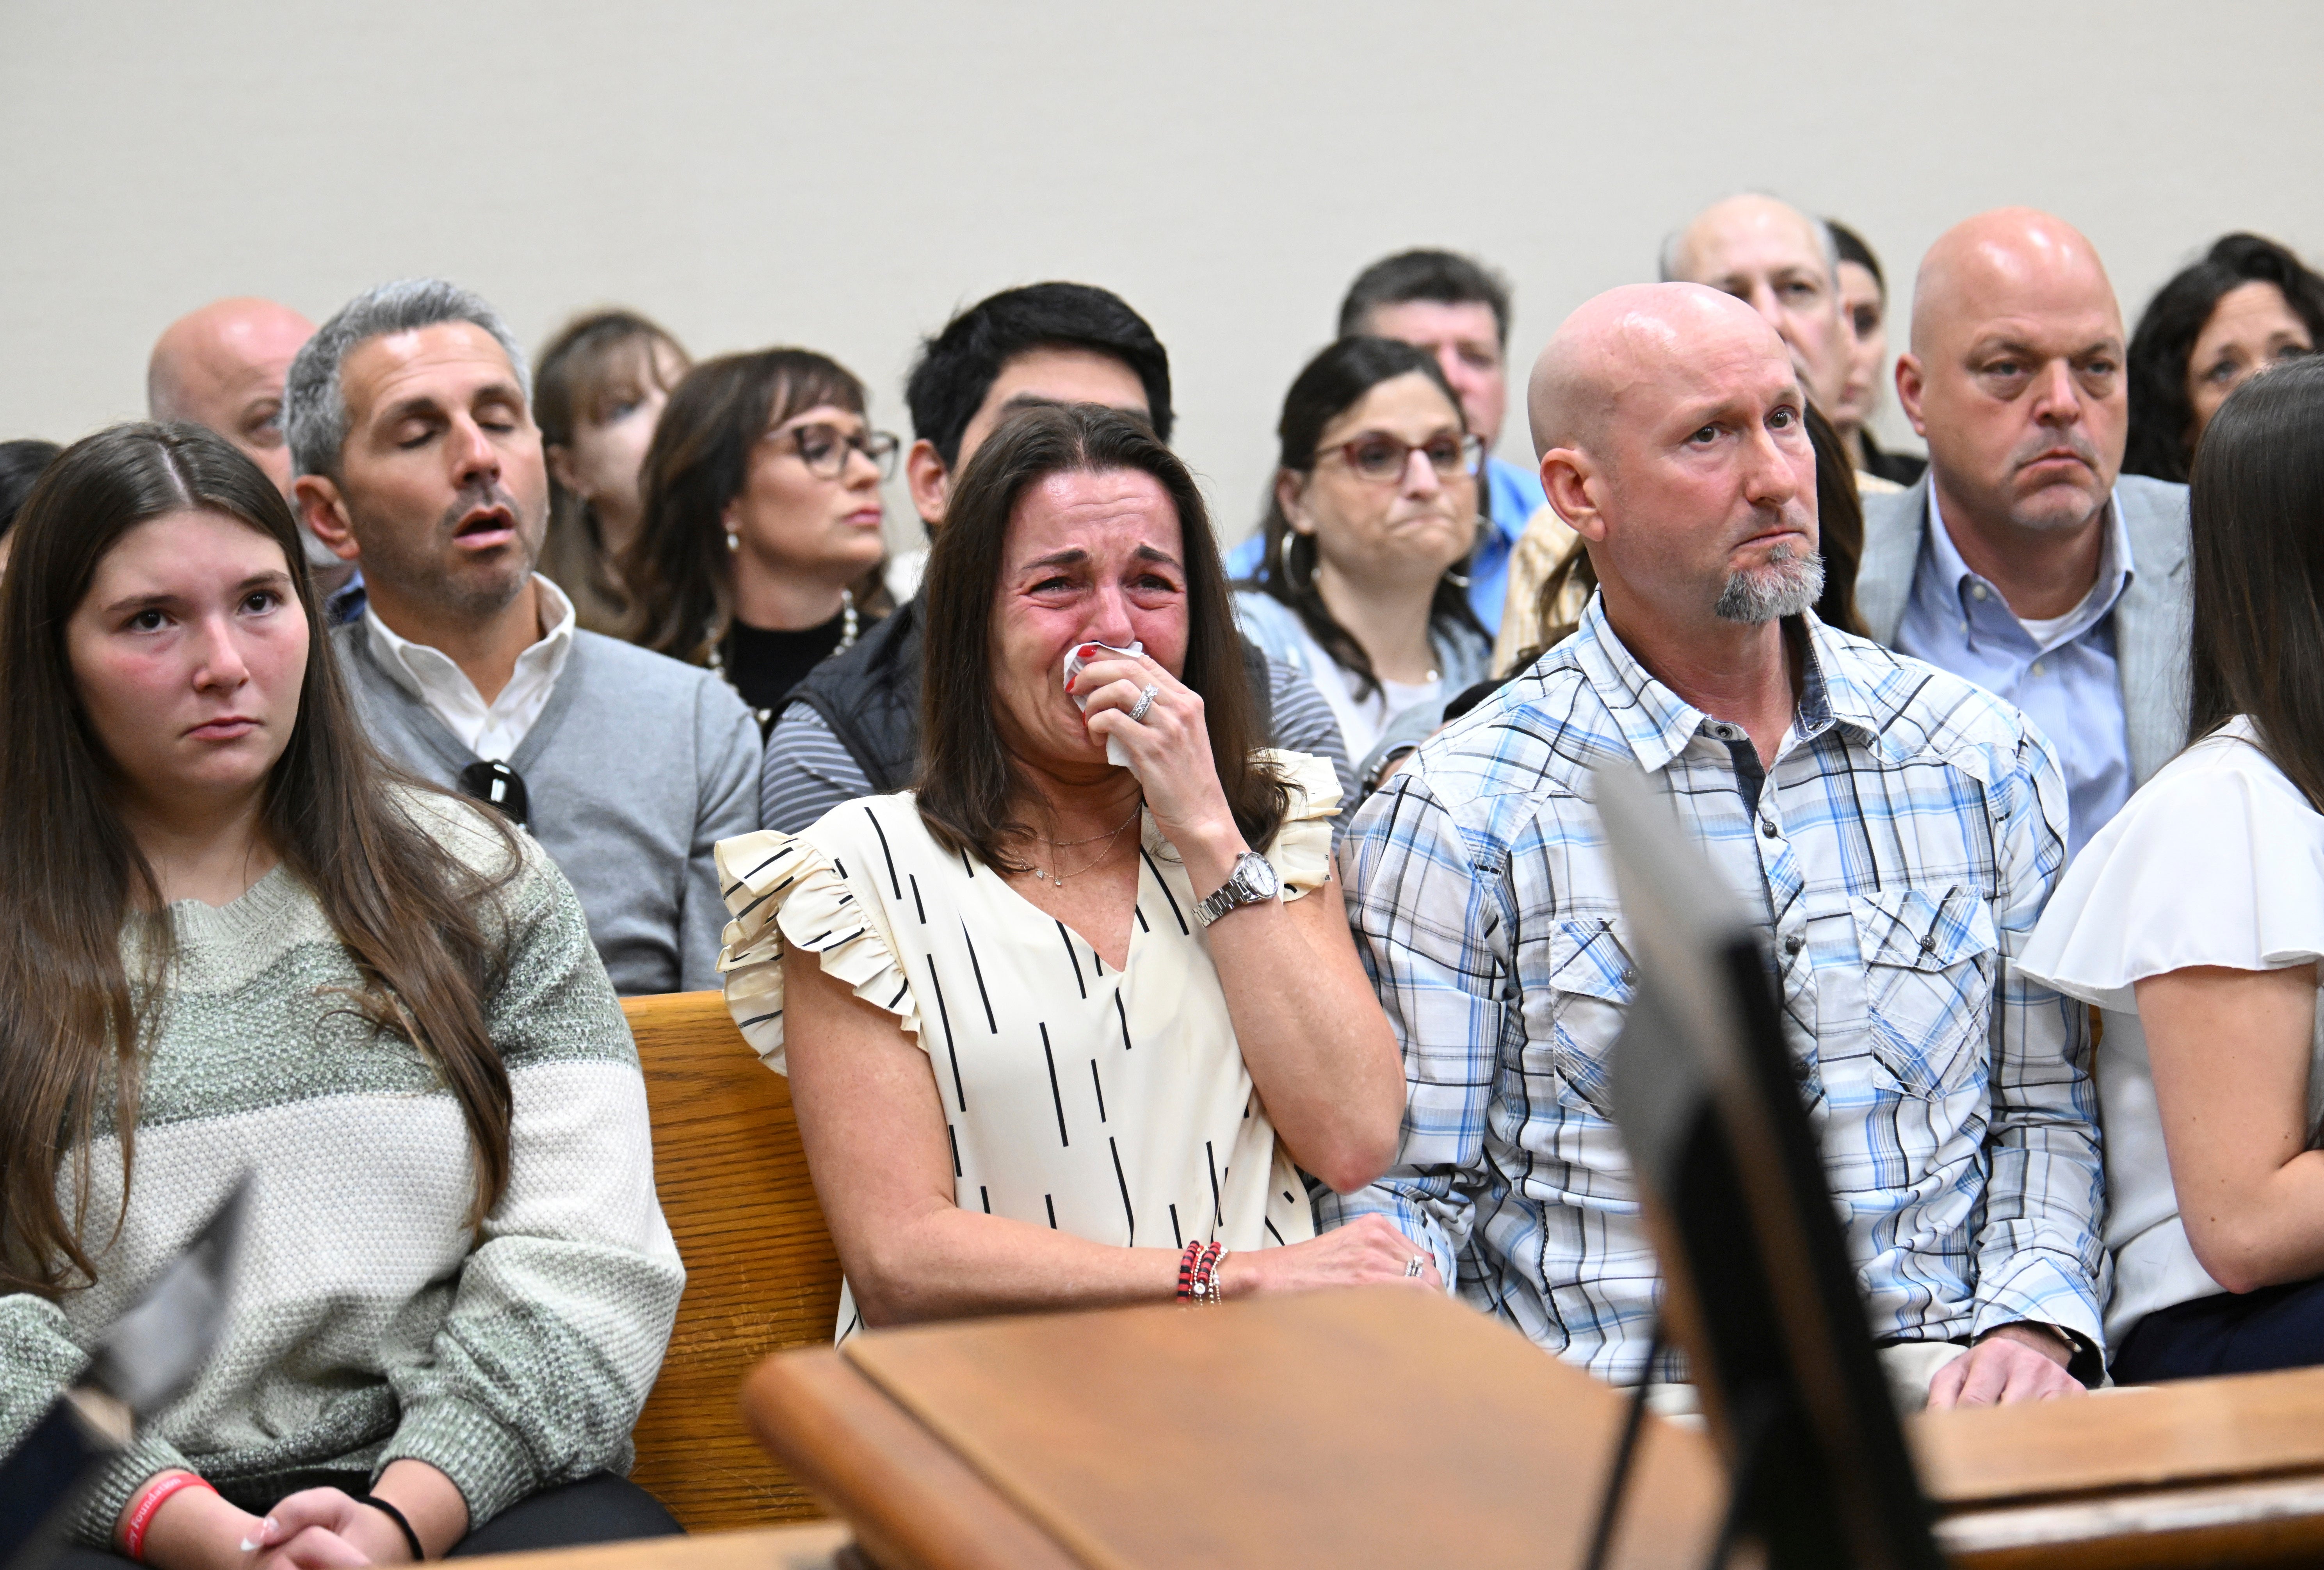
x: 1897, y: 852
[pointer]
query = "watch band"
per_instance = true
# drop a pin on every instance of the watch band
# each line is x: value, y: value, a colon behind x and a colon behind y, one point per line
x: 1251, y: 882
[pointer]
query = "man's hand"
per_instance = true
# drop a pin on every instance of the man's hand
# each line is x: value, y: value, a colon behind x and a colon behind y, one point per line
x: 2018, y: 1363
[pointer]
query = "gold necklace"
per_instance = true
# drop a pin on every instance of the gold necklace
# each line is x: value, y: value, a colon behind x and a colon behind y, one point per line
x: 1059, y: 878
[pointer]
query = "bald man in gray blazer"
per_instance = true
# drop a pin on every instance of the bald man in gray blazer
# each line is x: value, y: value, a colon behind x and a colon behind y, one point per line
x: 2025, y: 561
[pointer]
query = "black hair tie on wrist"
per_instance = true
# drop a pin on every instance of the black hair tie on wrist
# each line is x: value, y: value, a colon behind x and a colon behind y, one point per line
x: 402, y: 1522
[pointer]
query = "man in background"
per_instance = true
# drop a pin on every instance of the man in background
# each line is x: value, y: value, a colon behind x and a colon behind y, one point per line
x: 222, y: 367
x: 410, y: 424
x: 1782, y: 265
x: 2024, y: 560
x: 853, y: 727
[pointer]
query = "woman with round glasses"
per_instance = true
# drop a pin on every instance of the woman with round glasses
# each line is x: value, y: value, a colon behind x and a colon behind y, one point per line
x: 762, y: 519
x: 1374, y: 510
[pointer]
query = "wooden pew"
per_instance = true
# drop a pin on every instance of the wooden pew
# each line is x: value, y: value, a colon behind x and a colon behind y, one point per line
x: 761, y: 1273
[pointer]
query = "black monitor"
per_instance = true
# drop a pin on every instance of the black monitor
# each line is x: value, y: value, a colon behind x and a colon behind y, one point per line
x: 1757, y: 1291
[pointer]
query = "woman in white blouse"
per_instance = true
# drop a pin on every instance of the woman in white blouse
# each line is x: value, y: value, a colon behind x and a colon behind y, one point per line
x: 1374, y: 509
x: 2195, y: 919
x: 1058, y: 1041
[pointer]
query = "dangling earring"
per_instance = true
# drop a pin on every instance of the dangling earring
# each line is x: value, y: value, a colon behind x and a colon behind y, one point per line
x: 734, y: 541
x: 1459, y: 578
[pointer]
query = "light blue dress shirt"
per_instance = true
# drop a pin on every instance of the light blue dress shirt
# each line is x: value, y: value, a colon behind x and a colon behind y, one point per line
x: 2065, y: 681
x: 1515, y: 496
x: 1512, y: 496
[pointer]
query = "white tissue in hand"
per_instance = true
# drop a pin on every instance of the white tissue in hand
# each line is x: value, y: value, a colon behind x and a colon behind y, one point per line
x: 1082, y: 654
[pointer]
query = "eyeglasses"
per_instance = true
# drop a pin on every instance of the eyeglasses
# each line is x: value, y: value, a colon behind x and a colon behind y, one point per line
x: 497, y: 785
x: 1381, y: 459
x: 824, y: 448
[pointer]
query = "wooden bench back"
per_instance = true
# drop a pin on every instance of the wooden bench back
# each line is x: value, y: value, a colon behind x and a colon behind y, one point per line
x: 760, y: 1271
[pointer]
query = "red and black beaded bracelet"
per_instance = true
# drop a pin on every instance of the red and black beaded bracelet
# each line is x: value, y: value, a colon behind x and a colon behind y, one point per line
x: 1186, y: 1262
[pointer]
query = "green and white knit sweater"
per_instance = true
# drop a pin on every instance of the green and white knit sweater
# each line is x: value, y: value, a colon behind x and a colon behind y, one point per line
x: 369, y: 1321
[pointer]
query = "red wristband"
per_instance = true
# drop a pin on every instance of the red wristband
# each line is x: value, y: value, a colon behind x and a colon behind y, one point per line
x: 1192, y: 1257
x: 149, y: 1504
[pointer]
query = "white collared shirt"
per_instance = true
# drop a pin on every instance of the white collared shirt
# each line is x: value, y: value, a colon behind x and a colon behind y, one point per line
x: 490, y: 729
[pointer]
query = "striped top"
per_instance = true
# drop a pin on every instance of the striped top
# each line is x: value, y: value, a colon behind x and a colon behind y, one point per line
x: 1111, y: 1104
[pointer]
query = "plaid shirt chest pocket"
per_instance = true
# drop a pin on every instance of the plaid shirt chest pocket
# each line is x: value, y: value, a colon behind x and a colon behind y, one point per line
x: 1930, y: 959
x: 1591, y: 979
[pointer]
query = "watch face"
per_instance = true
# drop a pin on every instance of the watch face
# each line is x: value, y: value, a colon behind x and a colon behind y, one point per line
x: 1258, y: 873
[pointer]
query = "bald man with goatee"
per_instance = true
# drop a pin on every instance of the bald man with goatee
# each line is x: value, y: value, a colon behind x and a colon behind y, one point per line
x: 1896, y: 829
x: 2024, y: 560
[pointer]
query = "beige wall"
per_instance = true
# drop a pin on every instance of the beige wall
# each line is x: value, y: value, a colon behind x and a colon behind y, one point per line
x: 845, y: 176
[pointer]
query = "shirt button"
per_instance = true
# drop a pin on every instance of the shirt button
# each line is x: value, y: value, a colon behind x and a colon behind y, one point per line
x: 1795, y: 943
x: 1976, y: 591
x: 2037, y: 667
x: 1929, y: 943
x: 1630, y: 978
x: 1768, y: 827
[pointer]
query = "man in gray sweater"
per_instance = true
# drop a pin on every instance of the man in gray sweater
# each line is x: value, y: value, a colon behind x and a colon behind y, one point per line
x: 411, y: 435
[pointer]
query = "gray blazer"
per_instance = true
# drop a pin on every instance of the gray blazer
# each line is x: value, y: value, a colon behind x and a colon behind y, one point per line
x: 2153, y: 623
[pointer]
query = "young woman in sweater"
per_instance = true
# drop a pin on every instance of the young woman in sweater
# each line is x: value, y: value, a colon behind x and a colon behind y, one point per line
x: 235, y: 945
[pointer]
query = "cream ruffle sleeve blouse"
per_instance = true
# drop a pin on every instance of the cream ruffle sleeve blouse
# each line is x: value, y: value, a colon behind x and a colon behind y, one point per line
x: 2218, y: 860
x: 1111, y: 1104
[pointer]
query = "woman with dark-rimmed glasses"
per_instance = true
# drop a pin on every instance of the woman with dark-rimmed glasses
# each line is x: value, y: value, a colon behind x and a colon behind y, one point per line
x: 1372, y: 513
x: 761, y: 521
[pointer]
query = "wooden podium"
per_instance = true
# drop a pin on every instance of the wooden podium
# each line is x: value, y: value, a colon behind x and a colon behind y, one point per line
x: 1371, y: 1426
x: 1378, y: 1428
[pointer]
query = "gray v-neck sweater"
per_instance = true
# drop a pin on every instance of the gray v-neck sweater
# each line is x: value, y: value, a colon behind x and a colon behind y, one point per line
x: 638, y: 766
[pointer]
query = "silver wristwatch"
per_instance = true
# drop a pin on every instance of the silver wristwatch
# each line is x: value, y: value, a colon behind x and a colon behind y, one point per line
x: 1252, y: 881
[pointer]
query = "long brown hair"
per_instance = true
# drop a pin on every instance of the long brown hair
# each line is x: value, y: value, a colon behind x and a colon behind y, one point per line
x: 73, y: 1021
x: 592, y: 360
x: 680, y: 574
x: 968, y: 786
x: 2257, y: 527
